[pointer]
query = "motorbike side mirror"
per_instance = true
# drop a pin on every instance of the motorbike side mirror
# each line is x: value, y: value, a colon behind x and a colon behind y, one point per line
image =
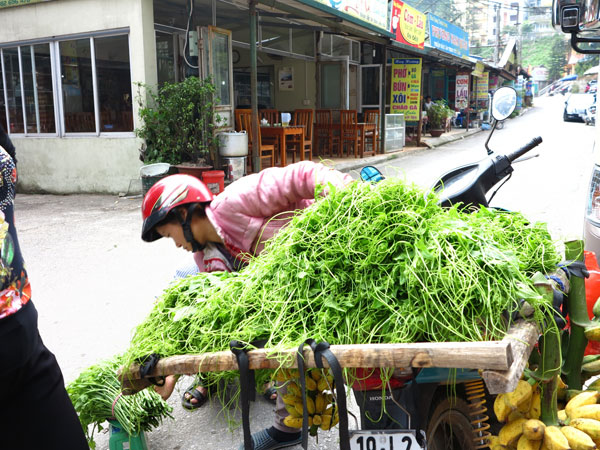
x: 504, y: 102
x: 370, y: 173
x: 580, y: 19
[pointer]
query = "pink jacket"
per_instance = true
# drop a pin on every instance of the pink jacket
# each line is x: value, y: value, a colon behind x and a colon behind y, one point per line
x: 242, y: 213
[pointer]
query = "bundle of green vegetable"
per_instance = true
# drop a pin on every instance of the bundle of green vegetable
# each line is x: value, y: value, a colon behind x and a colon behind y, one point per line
x: 96, y: 396
x: 366, y: 264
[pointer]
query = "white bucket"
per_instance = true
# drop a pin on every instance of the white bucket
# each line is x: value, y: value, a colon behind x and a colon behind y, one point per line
x: 154, y: 170
x: 234, y: 167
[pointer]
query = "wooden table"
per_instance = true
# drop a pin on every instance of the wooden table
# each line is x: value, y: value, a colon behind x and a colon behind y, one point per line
x: 281, y: 133
x: 362, y: 128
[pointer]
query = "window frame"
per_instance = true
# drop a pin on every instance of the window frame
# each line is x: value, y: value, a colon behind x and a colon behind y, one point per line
x: 56, y: 74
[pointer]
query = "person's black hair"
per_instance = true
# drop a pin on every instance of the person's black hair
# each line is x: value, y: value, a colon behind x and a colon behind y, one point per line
x: 7, y: 145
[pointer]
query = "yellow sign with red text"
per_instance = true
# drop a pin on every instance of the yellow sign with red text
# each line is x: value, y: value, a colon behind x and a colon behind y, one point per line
x: 408, y: 24
x: 406, y: 88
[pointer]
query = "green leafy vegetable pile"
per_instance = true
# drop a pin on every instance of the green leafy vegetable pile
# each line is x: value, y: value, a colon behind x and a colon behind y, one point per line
x: 96, y: 396
x: 366, y: 264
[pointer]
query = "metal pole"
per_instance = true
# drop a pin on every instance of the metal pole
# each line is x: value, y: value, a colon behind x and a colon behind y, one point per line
x: 253, y: 86
x: 382, y: 99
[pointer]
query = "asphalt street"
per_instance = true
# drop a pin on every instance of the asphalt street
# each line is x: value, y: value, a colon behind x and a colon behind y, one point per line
x: 94, y: 279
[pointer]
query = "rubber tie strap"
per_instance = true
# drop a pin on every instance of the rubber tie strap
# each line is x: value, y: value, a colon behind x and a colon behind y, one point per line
x: 147, y: 365
x: 112, y: 409
x: 302, y: 377
x: 558, y: 281
x: 321, y: 351
x: 247, y: 388
x: 575, y: 268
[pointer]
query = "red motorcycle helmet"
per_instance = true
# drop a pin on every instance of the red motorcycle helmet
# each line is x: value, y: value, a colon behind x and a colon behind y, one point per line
x: 166, y: 194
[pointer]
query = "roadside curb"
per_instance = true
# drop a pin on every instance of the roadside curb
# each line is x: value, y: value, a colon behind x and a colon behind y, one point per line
x: 348, y: 166
x: 436, y: 142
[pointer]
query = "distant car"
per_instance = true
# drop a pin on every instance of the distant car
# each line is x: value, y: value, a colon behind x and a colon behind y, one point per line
x: 590, y: 115
x: 575, y: 106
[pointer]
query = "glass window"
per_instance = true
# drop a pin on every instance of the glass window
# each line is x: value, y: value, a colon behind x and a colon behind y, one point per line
x: 355, y: 51
x: 29, y: 89
x: 277, y: 38
x: 303, y: 42
x: 331, y: 76
x: 370, y: 86
x: 114, y: 83
x: 326, y: 44
x: 340, y: 46
x: 220, y: 61
x: 165, y: 58
x: 13, y: 90
x: 45, y: 93
x: 77, y: 86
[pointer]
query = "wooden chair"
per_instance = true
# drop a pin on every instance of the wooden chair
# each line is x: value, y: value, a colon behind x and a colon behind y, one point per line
x: 303, y: 145
x: 243, y: 122
x: 349, y: 132
x: 325, y: 141
x: 372, y: 116
x: 272, y: 116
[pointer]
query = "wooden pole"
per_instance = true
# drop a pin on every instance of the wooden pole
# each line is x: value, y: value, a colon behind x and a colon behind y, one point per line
x: 488, y: 355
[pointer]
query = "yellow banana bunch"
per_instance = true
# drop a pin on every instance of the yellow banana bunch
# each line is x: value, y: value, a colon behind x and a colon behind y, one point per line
x: 587, y: 412
x: 527, y: 444
x: 555, y: 440
x: 511, y: 432
x: 319, y: 400
x: 578, y: 440
x: 589, y: 426
x: 501, y: 408
x: 582, y: 399
x: 534, y: 429
x: 520, y: 396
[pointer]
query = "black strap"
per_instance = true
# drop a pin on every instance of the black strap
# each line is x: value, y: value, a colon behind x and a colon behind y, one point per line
x: 147, y: 365
x: 300, y: 359
x: 575, y: 268
x: 187, y: 228
x: 322, y: 351
x: 247, y: 388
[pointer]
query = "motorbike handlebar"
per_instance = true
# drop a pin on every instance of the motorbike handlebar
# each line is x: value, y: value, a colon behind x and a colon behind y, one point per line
x: 520, y: 152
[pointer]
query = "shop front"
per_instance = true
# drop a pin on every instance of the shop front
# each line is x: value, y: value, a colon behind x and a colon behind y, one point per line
x: 72, y: 71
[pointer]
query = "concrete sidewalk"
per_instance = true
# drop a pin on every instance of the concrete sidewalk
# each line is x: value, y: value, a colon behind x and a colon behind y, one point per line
x: 349, y: 164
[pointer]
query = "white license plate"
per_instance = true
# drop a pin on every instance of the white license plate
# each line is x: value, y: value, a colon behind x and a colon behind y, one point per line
x: 384, y: 440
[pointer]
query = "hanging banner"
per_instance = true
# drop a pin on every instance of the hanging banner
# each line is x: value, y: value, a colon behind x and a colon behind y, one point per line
x: 483, y: 86
x: 374, y: 12
x: 448, y: 37
x: 408, y: 24
x: 478, y: 72
x: 462, y: 91
x: 406, y: 88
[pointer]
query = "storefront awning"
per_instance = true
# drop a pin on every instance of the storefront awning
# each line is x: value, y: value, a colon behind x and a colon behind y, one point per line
x: 313, y: 13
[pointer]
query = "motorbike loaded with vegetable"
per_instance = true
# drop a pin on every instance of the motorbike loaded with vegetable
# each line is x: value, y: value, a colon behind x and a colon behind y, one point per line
x: 452, y: 405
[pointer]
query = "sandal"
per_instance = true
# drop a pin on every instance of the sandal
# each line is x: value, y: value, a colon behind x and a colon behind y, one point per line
x: 193, y: 393
x: 262, y: 440
x: 268, y: 395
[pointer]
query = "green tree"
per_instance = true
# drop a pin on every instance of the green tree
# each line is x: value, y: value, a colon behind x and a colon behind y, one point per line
x: 586, y: 63
x: 558, y: 57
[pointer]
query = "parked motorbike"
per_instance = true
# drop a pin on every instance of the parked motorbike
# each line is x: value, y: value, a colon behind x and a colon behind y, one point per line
x: 452, y: 419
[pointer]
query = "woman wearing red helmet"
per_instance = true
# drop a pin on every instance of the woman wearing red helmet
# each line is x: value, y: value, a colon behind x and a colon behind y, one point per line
x: 224, y: 231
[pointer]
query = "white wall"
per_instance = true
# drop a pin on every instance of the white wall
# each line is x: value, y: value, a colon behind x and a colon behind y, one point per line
x: 90, y: 164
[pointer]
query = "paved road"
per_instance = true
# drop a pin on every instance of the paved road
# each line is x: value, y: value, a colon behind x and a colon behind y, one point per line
x: 94, y: 279
x: 550, y: 188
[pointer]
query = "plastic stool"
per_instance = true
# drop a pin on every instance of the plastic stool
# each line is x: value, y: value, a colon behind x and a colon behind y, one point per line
x: 120, y: 440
